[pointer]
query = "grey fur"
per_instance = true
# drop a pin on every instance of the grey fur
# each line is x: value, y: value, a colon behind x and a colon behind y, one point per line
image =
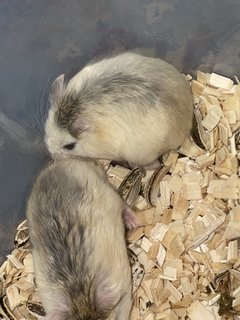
x: 116, y: 88
x: 69, y: 207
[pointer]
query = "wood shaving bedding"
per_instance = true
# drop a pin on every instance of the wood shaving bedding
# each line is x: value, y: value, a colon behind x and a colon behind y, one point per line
x: 185, y: 253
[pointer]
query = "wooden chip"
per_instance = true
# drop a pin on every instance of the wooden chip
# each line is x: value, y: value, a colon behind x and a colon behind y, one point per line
x: 221, y: 82
x: 137, y: 275
x: 202, y: 77
x: 145, y: 217
x: 156, y: 290
x: 169, y: 273
x: 180, y: 208
x: 158, y: 232
x: 24, y: 284
x: 143, y: 259
x: 135, y: 234
x: 205, y: 160
x: 197, y: 88
x: 166, y: 315
x: 175, y: 294
x: 219, y: 189
x: 28, y: 264
x: 190, y: 149
x: 146, y: 244
x: 208, y: 231
x: 235, y: 213
x: 191, y: 187
x: 187, y: 286
x: 13, y: 296
x: 232, y: 231
x: 173, y: 242
x: 213, y: 117
x: 161, y: 255
x: 175, y: 183
x: 17, y: 264
x: 232, y: 251
x: 171, y: 159
x: 198, y: 312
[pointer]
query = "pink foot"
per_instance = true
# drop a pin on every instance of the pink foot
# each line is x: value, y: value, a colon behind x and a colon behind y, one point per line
x: 129, y: 218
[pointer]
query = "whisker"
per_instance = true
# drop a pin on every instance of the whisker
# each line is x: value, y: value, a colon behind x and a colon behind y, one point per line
x: 43, y: 100
x: 38, y: 115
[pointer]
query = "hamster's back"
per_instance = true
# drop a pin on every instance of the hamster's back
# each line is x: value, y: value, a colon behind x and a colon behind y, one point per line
x: 126, y: 108
x: 131, y: 75
x: 75, y: 219
x: 127, y: 95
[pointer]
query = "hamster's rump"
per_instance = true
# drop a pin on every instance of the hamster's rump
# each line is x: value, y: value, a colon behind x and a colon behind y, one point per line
x: 127, y: 107
x: 75, y: 224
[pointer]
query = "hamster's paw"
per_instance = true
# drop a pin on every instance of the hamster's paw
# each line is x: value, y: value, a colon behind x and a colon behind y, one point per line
x: 129, y: 218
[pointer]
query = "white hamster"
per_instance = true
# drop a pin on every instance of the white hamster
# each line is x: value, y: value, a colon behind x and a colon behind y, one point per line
x: 79, y: 251
x: 126, y: 107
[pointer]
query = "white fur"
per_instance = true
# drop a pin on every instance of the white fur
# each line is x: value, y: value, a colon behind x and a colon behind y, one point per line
x: 135, y: 134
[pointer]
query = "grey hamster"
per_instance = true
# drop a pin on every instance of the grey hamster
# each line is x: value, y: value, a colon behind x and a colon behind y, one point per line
x: 126, y: 107
x: 79, y: 251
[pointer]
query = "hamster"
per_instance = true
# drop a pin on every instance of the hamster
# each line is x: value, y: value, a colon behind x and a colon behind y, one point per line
x: 126, y: 107
x: 79, y: 251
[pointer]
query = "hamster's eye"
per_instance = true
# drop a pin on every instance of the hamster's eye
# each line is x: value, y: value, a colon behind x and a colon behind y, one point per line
x: 69, y: 146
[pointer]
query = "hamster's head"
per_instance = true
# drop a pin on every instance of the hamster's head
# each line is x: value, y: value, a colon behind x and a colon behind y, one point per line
x: 69, y: 130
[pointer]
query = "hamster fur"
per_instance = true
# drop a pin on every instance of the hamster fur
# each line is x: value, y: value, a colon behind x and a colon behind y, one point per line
x: 79, y: 252
x: 125, y: 108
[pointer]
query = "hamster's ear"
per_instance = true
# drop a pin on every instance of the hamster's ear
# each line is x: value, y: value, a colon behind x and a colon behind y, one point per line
x: 106, y: 295
x: 80, y: 125
x: 57, y: 88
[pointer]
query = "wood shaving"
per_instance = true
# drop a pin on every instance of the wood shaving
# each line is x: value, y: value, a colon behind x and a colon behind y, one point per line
x: 185, y: 252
